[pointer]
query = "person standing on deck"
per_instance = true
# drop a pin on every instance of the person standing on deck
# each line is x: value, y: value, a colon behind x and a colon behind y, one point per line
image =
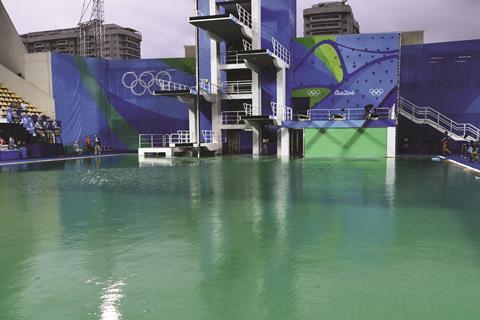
x: 97, y: 145
x: 445, y: 149
x: 87, y: 143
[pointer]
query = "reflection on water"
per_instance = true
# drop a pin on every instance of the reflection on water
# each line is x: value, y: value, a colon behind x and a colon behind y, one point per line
x: 238, y: 239
x: 111, y: 298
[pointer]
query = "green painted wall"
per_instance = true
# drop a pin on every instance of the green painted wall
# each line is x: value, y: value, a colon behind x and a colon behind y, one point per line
x: 349, y: 142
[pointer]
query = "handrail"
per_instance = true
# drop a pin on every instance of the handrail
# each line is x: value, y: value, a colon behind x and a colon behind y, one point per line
x: 164, y: 140
x: 244, y: 16
x: 238, y: 87
x: 281, y: 52
x: 166, y: 85
x: 232, y: 57
x: 232, y: 117
x: 247, y: 46
x: 346, y: 114
x: 209, y: 136
x: 250, y: 109
x: 440, y: 121
x: 153, y: 140
x: 285, y: 112
x: 205, y: 87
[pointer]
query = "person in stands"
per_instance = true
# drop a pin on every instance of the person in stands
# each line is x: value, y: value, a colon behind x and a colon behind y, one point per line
x: 76, y: 148
x: 10, y: 114
x: 11, y: 144
x: 87, y: 144
x: 2, y: 142
x: 97, y: 145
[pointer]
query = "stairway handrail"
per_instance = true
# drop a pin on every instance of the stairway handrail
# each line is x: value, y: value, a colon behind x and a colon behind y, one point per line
x: 430, y: 114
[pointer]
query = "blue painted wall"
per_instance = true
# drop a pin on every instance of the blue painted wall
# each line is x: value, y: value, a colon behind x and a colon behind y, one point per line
x: 444, y: 76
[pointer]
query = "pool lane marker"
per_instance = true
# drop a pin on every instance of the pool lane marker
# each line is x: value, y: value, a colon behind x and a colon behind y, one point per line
x: 61, y: 159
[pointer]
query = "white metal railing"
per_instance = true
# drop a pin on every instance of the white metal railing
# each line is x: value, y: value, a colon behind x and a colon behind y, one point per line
x: 209, y: 136
x: 281, y: 113
x: 237, y: 87
x: 250, y: 109
x: 164, y: 140
x: 166, y: 85
x: 244, y: 16
x: 348, y: 114
x: 206, y: 87
x: 153, y: 140
x: 281, y: 52
x: 437, y: 120
x: 232, y: 57
x: 247, y: 46
x: 181, y: 136
x: 233, y: 117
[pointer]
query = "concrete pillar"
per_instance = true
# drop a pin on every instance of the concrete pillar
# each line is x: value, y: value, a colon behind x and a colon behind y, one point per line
x: 283, y: 134
x: 257, y: 28
x: 283, y: 143
x: 192, y: 117
x: 256, y: 142
x: 391, y: 142
x: 282, y: 87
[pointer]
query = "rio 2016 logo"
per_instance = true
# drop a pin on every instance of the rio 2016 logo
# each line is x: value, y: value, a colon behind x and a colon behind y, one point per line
x: 345, y: 92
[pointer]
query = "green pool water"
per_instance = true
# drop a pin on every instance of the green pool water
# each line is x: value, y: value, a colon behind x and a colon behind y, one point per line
x: 239, y: 238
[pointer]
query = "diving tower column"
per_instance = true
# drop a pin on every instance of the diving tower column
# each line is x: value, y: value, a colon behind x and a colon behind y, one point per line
x: 283, y: 134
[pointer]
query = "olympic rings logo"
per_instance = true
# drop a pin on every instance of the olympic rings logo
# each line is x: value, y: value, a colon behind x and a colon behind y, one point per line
x: 314, y: 93
x: 376, y: 92
x: 147, y: 81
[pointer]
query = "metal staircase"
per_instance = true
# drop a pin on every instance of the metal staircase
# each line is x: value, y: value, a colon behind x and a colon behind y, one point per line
x: 426, y: 115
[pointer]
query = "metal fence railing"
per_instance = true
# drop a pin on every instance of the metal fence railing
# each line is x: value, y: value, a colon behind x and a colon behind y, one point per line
x: 348, y: 114
x: 437, y: 120
x: 232, y: 117
x: 153, y: 141
x: 209, y: 136
x: 164, y: 140
x: 281, y: 52
x: 237, y: 87
x: 281, y: 113
x: 244, y: 16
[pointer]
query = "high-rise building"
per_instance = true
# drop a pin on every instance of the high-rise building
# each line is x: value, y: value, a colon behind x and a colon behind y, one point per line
x: 120, y: 42
x: 329, y: 18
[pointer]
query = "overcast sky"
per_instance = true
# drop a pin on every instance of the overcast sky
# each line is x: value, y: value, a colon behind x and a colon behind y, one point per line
x: 165, y: 28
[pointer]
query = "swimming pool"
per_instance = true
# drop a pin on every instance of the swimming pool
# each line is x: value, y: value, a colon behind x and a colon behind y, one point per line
x: 238, y: 238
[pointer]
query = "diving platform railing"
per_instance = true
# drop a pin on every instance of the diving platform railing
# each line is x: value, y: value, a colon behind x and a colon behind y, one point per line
x: 281, y: 113
x: 348, y: 114
x: 427, y: 115
x: 233, y: 117
x: 281, y: 52
x: 237, y: 87
x: 244, y: 17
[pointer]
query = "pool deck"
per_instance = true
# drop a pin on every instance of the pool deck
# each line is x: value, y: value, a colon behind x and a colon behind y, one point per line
x: 56, y: 159
x: 462, y: 162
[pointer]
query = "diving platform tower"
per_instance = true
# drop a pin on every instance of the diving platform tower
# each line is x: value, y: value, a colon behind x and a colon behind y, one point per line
x: 245, y: 51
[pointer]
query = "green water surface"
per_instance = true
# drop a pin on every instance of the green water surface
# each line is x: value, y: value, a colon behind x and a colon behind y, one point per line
x: 239, y: 238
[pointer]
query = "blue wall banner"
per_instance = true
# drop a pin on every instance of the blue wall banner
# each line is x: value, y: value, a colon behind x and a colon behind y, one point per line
x: 345, y: 71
